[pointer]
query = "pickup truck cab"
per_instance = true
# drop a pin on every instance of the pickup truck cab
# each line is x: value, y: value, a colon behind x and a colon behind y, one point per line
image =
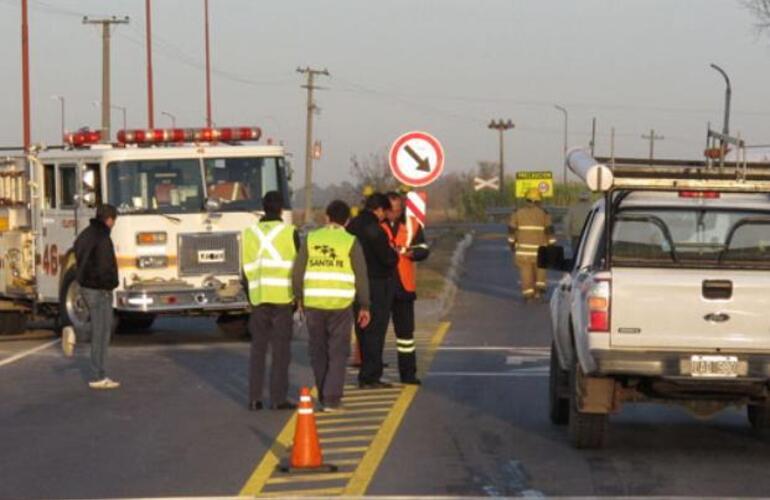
x: 666, y: 297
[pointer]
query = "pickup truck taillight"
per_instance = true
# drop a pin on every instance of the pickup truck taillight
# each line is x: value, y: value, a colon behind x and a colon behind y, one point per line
x: 598, y: 299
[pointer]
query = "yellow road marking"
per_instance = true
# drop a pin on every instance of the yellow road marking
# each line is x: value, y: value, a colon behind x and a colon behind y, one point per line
x: 351, y: 428
x: 309, y: 478
x: 297, y: 493
x: 365, y: 471
x: 351, y: 420
x: 369, y: 402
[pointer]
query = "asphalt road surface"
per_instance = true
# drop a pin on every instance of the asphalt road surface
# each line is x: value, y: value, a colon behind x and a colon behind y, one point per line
x: 478, y: 425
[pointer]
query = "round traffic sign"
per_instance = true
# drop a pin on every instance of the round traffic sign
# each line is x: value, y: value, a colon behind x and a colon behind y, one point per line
x: 416, y: 159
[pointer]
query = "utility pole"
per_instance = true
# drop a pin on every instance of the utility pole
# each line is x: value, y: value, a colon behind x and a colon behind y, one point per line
x: 106, y: 24
x: 652, y: 138
x: 25, y: 75
x: 311, y: 107
x: 148, y: 43
x: 566, y: 140
x: 209, y: 121
x: 501, y: 126
x: 593, y: 136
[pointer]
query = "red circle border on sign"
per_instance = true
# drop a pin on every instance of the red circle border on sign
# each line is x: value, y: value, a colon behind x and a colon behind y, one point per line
x: 435, y: 144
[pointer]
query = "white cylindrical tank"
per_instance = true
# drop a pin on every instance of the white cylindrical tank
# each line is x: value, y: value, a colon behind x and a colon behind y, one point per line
x: 597, y: 176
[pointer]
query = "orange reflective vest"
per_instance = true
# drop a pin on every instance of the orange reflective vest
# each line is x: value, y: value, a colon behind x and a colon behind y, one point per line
x: 406, y: 266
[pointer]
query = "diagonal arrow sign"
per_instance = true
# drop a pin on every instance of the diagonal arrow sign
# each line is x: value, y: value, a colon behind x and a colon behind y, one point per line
x: 423, y: 164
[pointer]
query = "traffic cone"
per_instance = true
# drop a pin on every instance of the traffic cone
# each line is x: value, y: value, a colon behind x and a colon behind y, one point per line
x: 355, y: 362
x: 306, y: 453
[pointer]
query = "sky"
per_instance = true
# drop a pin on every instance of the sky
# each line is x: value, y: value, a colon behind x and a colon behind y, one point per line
x: 443, y: 66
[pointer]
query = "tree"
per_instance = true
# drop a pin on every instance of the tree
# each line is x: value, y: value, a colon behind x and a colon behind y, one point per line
x: 761, y: 11
x: 373, y: 171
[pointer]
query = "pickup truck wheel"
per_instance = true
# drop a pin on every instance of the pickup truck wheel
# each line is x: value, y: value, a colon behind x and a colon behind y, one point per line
x: 759, y: 418
x: 586, y: 430
x: 234, y: 326
x: 558, y: 391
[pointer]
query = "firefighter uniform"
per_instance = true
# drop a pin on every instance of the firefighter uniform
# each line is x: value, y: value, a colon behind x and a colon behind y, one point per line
x: 269, y: 250
x: 402, y: 310
x: 530, y: 227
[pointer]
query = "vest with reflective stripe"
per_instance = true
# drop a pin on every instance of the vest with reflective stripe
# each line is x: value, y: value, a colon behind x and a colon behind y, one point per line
x: 329, y: 279
x: 268, y: 258
x: 406, y: 266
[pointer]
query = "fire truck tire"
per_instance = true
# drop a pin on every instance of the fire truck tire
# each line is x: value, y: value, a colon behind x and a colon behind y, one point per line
x: 135, y: 322
x: 759, y: 418
x: 12, y: 323
x: 233, y: 325
x: 72, y: 307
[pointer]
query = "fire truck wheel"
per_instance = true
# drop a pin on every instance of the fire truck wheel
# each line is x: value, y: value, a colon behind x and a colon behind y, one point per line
x: 135, y: 322
x: 233, y: 325
x: 72, y: 307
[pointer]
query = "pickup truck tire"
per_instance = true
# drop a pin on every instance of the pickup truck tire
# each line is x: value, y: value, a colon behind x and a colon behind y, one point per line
x: 558, y: 391
x: 759, y: 418
x: 585, y: 430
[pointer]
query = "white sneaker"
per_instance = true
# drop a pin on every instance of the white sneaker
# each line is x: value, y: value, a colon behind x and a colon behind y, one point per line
x: 105, y: 383
x: 68, y: 341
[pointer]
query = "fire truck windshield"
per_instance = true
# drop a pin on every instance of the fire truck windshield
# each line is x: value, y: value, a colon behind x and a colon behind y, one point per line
x: 239, y: 183
x: 165, y: 186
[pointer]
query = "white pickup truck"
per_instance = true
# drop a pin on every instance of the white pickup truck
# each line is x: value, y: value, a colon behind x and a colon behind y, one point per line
x: 667, y: 298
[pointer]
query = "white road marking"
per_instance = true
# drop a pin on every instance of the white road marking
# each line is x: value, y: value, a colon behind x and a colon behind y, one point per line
x: 24, y: 354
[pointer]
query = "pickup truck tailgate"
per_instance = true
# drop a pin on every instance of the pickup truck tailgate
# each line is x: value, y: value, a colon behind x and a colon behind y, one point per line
x: 674, y: 308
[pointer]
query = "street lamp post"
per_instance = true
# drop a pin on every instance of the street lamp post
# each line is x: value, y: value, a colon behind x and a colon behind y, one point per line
x: 501, y: 126
x: 566, y: 139
x: 60, y: 98
x: 122, y: 109
x: 726, y: 123
x: 171, y: 117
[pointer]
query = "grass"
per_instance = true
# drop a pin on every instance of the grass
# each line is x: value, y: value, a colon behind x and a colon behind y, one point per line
x: 431, y: 272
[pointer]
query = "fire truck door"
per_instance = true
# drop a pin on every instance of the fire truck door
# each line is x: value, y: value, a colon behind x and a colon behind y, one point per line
x: 59, y: 225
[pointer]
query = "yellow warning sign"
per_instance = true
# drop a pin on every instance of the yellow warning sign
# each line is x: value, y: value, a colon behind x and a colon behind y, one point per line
x: 542, y: 181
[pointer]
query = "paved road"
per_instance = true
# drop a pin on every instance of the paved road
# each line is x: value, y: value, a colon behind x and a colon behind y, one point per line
x: 479, y: 425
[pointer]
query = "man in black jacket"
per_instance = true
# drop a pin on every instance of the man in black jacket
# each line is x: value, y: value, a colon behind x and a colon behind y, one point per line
x: 97, y: 275
x: 381, y: 260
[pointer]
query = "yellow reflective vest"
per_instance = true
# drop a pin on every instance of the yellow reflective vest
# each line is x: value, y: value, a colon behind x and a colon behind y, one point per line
x: 329, y: 281
x: 268, y: 259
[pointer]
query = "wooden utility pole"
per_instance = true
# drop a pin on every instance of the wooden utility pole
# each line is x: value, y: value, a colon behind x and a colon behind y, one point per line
x: 501, y: 126
x: 311, y: 107
x: 652, y: 138
x: 25, y: 74
x: 148, y: 43
x: 106, y: 25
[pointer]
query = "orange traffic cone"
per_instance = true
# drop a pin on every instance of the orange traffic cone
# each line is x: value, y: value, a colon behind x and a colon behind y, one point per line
x: 306, y: 453
x: 355, y: 362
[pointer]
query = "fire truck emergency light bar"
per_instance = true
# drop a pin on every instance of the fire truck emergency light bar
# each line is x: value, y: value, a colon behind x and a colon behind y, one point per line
x: 156, y: 136
x: 78, y: 139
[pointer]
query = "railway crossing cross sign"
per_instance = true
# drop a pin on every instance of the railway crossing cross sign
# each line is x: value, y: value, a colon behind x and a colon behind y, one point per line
x: 416, y: 159
x: 480, y: 183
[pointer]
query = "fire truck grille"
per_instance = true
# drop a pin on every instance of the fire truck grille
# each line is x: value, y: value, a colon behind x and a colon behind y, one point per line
x: 209, y: 253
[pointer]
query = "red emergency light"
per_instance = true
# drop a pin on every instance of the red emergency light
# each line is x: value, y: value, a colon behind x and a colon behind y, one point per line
x: 706, y: 195
x: 83, y: 138
x: 159, y: 136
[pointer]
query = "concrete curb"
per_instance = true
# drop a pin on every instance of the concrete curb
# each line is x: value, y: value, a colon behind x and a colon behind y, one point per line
x: 436, y: 309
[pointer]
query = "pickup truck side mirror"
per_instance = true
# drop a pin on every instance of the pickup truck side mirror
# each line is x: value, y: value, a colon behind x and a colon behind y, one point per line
x: 552, y: 257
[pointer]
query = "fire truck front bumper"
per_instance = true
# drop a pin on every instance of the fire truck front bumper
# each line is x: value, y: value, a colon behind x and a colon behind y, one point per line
x: 181, y: 300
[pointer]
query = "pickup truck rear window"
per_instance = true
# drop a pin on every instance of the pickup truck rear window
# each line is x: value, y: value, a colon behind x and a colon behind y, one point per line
x: 697, y: 237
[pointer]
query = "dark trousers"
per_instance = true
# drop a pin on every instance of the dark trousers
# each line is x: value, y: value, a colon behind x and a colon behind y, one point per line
x: 372, y: 338
x: 403, y: 324
x: 99, y: 329
x: 270, y: 325
x: 329, y: 332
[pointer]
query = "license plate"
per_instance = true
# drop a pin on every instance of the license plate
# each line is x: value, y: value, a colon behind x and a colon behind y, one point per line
x: 714, y: 366
x: 211, y: 256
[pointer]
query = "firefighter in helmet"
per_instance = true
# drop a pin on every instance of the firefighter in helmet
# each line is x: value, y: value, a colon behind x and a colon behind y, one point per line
x: 530, y: 227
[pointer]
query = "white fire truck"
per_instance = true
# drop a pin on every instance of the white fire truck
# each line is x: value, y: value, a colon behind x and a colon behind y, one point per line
x: 183, y: 197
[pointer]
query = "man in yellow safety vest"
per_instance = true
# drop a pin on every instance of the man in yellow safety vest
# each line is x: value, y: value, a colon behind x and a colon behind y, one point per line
x: 329, y: 274
x: 269, y: 249
x: 530, y: 227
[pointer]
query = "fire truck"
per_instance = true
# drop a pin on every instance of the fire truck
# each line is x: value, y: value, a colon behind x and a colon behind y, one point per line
x: 183, y: 197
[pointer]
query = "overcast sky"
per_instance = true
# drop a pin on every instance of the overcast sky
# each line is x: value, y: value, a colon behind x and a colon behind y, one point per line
x: 444, y: 66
